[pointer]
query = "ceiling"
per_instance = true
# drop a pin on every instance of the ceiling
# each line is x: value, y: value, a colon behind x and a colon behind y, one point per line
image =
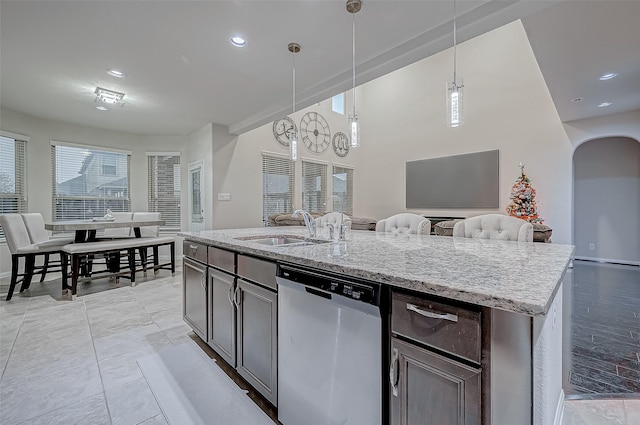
x: 182, y: 71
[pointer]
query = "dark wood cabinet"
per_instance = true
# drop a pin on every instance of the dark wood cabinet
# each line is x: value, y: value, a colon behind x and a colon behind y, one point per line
x: 194, y: 296
x: 427, y: 388
x: 222, y: 315
x: 257, y: 335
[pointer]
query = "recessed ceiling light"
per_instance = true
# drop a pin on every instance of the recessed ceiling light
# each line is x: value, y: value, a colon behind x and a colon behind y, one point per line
x: 238, y: 41
x: 116, y: 73
x: 102, y: 108
x: 608, y: 76
x: 577, y: 99
x: 604, y: 104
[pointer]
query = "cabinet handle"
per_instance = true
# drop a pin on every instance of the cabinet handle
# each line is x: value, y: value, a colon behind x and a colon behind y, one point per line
x: 237, y: 298
x: 445, y: 316
x: 194, y: 250
x: 229, y: 294
x: 393, y: 373
x: 202, y: 281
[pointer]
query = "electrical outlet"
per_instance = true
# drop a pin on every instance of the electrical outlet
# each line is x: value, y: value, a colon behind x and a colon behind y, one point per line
x: 224, y: 196
x: 592, y: 247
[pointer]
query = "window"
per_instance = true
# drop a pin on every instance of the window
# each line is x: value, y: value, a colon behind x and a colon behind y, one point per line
x: 277, y: 185
x: 13, y: 188
x: 337, y: 103
x: 343, y: 188
x: 109, y: 164
x: 314, y: 186
x: 164, y: 188
x: 80, y: 187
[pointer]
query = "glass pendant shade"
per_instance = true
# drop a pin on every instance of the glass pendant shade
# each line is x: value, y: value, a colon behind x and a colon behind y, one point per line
x: 455, y: 116
x: 354, y: 130
x: 293, y: 145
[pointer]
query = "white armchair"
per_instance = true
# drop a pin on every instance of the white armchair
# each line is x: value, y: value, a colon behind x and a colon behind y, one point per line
x: 494, y: 226
x: 332, y: 218
x: 405, y: 223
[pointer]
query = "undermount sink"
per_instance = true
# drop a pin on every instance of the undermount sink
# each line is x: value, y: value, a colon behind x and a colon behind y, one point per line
x: 283, y: 240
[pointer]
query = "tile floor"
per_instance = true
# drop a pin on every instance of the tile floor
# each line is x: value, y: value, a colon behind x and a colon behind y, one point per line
x: 66, y: 362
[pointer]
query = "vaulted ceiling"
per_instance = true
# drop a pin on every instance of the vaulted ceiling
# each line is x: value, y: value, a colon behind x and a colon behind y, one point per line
x: 182, y: 71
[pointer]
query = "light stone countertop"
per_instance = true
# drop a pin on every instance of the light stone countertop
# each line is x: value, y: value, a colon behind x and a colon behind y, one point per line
x: 511, y: 276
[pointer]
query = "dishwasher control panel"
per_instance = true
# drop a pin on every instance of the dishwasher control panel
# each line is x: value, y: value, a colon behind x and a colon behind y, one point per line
x: 361, y: 291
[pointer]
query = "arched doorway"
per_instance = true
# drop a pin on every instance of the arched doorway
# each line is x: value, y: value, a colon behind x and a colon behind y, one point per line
x: 606, y: 199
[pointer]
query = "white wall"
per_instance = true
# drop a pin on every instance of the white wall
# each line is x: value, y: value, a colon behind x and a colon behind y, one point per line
x: 507, y: 107
x: 237, y: 163
x: 39, y: 173
x: 607, y: 199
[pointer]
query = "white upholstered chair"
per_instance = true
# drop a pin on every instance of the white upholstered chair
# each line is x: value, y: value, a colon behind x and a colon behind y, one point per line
x: 119, y: 232
x: 20, y: 246
x: 405, y: 223
x: 494, y: 226
x: 39, y: 236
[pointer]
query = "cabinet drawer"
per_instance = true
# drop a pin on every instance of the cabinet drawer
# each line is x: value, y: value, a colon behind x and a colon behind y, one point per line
x: 195, y: 250
x: 259, y: 271
x: 452, y: 329
x: 222, y: 259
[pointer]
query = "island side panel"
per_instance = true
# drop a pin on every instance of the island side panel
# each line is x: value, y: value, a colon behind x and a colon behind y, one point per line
x: 547, y: 365
x: 511, y: 367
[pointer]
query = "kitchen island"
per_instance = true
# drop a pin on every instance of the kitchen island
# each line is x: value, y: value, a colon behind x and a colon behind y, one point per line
x: 513, y: 286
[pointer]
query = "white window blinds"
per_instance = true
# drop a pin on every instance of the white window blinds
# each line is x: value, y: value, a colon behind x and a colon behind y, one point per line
x: 164, y: 188
x: 314, y: 186
x: 277, y: 185
x: 343, y: 188
x: 13, y: 187
x: 87, y: 181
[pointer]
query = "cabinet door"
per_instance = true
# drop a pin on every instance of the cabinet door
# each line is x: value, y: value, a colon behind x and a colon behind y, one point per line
x: 257, y: 338
x: 222, y: 325
x: 427, y: 388
x: 194, y: 296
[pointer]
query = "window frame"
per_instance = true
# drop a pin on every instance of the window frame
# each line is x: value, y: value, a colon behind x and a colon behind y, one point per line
x: 267, y: 206
x: 172, y: 218
x: 348, y: 206
x: 320, y: 205
x: 19, y: 178
x: 116, y: 202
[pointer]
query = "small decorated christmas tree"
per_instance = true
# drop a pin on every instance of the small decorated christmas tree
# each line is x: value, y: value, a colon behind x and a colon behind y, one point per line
x: 523, y: 199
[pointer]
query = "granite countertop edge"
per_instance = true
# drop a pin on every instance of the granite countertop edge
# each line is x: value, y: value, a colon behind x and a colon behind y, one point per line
x: 479, y: 272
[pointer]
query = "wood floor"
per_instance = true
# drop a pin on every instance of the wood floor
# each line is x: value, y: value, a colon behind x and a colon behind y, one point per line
x: 602, y: 352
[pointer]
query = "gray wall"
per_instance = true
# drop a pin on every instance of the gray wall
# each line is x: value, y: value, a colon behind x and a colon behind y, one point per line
x: 607, y: 199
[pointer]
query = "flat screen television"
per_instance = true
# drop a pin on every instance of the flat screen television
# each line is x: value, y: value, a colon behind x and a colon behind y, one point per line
x: 460, y: 181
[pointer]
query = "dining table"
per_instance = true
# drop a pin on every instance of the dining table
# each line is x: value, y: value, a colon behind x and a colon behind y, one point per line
x: 85, y: 230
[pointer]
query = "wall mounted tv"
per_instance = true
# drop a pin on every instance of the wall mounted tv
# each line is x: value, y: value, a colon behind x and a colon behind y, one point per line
x: 460, y: 181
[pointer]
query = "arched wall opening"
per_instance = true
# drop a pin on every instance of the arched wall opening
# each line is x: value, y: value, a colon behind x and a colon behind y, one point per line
x: 606, y: 200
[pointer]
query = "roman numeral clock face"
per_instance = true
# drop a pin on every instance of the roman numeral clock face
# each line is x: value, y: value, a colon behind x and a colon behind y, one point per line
x: 315, y: 132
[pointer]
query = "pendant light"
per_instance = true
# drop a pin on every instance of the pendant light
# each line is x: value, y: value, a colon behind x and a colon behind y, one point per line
x: 293, y: 138
x: 454, y: 86
x: 353, y: 7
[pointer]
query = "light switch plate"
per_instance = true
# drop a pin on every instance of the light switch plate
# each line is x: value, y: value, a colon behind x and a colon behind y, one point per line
x: 224, y: 196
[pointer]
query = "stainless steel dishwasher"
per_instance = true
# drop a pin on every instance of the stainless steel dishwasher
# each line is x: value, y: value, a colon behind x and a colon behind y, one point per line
x: 329, y: 350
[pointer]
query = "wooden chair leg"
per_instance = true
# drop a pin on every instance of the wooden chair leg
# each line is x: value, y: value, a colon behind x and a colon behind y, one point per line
x: 14, y: 275
x: 75, y: 270
x: 29, y: 266
x: 156, y: 260
x: 173, y: 258
x: 132, y: 265
x: 43, y: 273
x: 64, y: 261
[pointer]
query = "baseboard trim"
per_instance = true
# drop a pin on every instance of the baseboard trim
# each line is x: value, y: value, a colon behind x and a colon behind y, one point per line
x: 559, y: 409
x: 609, y: 261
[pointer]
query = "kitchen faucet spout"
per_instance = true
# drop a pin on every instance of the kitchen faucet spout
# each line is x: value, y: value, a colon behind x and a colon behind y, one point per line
x: 309, y: 221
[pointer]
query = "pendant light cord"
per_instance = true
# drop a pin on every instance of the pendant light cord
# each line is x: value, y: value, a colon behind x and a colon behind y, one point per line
x: 353, y: 56
x: 294, y: 81
x: 454, y: 43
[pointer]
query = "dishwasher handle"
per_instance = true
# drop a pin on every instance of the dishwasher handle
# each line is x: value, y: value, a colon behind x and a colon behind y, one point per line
x: 445, y: 316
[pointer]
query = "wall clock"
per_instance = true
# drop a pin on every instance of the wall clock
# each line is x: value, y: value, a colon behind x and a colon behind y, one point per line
x: 341, y: 144
x: 315, y: 132
x: 282, y: 130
